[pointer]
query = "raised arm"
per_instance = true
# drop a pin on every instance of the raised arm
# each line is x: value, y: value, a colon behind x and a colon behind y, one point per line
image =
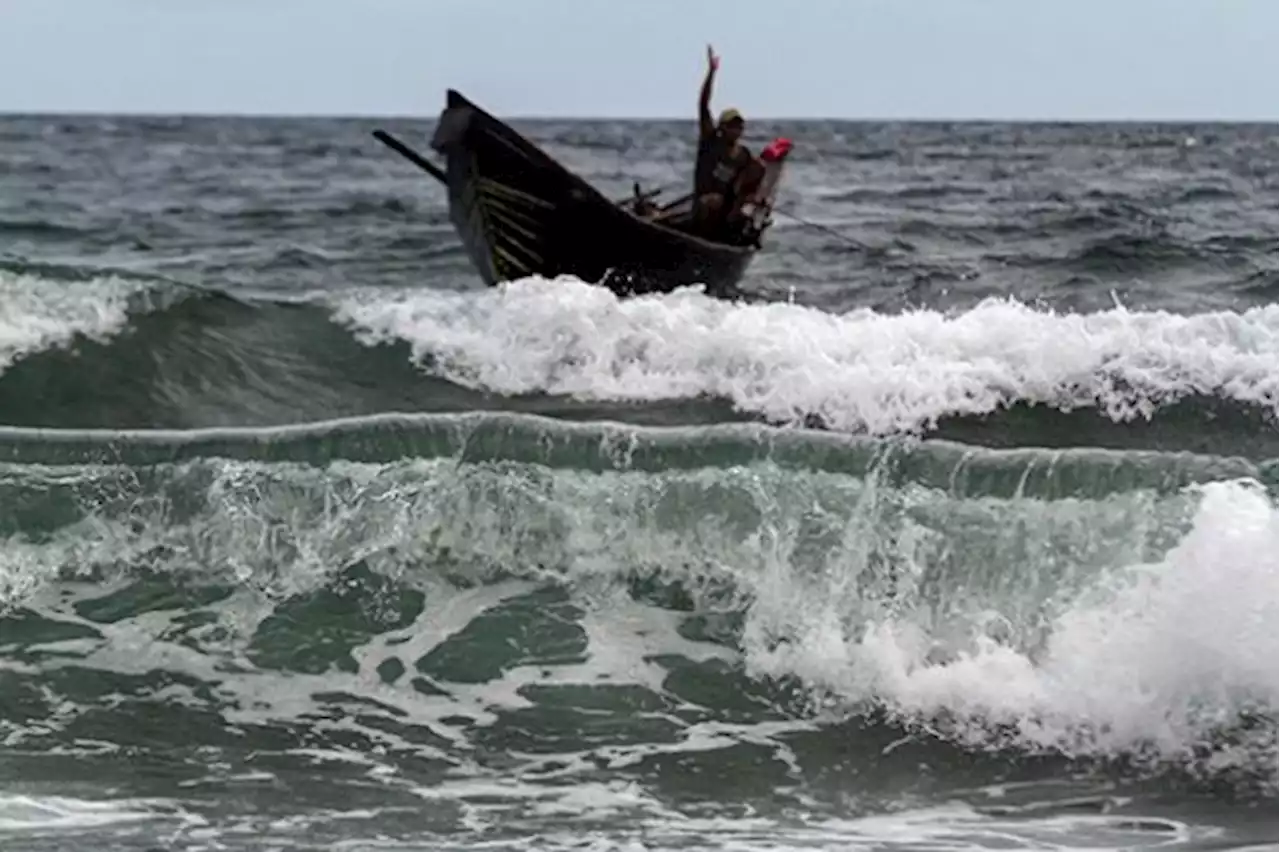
x: 705, y: 125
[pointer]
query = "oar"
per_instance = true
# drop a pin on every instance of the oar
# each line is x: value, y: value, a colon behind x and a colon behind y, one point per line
x: 670, y: 205
x: 411, y: 155
x: 637, y: 195
x: 681, y: 200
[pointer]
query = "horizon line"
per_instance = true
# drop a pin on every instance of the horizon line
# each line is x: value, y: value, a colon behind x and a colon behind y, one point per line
x: 354, y: 116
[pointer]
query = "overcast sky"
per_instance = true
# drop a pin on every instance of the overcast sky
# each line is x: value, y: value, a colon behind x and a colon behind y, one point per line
x: 1018, y: 59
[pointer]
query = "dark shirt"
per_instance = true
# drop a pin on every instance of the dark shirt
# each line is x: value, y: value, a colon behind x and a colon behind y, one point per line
x: 717, y: 167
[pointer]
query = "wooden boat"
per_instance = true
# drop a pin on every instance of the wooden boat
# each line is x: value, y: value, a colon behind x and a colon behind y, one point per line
x: 521, y: 213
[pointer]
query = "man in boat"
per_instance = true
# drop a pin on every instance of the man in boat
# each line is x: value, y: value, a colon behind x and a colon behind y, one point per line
x: 724, y: 174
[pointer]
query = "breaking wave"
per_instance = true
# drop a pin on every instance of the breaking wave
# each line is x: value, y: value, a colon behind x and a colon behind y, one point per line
x: 137, y: 353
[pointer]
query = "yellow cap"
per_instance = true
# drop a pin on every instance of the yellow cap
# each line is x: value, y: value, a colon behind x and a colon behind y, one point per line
x: 730, y: 115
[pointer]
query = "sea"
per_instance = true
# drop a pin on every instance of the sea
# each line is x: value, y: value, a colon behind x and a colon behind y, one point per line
x: 959, y: 534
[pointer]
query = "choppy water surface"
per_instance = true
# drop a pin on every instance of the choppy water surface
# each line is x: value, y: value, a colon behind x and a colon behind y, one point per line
x: 963, y: 536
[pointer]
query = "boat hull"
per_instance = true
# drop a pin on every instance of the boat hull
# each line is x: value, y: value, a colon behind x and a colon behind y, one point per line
x: 520, y: 213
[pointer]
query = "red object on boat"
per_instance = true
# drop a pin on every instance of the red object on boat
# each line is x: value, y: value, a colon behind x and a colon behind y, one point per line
x: 776, y: 150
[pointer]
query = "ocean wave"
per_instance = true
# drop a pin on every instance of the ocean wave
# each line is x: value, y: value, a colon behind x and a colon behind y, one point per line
x: 989, y: 600
x: 40, y: 227
x: 37, y: 314
x: 601, y: 446
x: 83, y: 350
x: 859, y: 371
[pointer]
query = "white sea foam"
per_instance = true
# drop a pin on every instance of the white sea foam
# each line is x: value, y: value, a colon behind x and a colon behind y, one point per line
x: 22, y: 814
x: 1159, y: 655
x: 38, y: 313
x: 858, y: 371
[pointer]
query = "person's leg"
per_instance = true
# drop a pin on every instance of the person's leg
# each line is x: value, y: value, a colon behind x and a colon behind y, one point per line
x: 707, y: 206
x: 748, y: 182
x: 708, y: 213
